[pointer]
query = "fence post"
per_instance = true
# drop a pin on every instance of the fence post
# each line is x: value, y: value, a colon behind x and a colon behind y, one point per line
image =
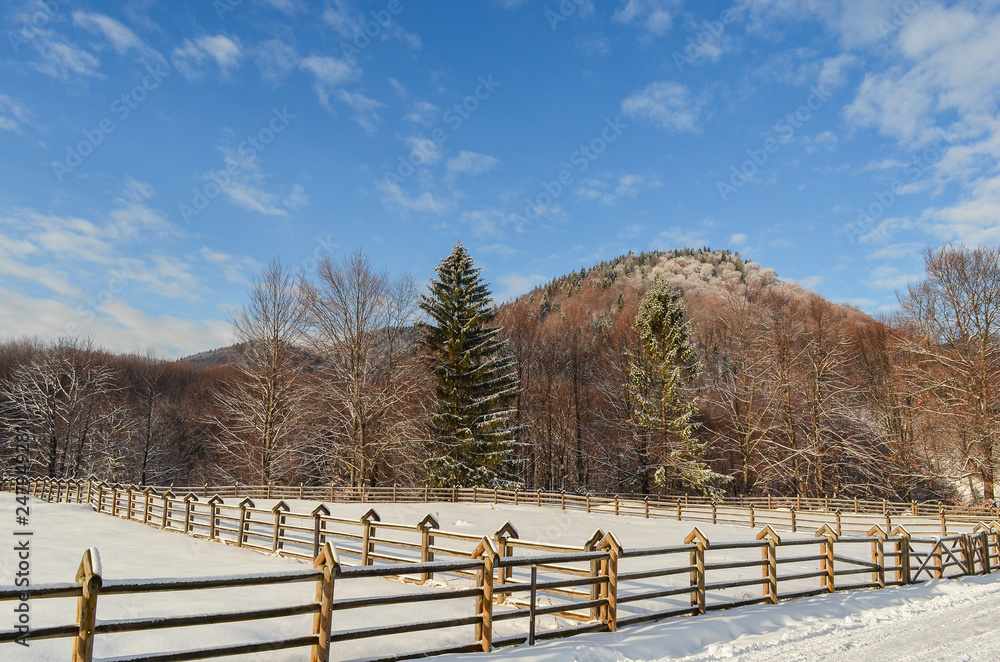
x: 645, y: 504
x: 89, y: 575
x: 367, y: 544
x: 968, y: 554
x: 753, y: 522
x: 700, y: 542
x: 878, y: 555
x: 944, y: 524
x: 426, y: 525
x: 595, y: 572
x: 188, y: 510
x: 213, y: 515
x: 794, y: 529
x: 90, y: 488
x: 147, y: 496
x: 609, y: 569
x: 855, y: 505
x: 562, y: 496
x: 769, y: 557
x: 329, y: 563
x: 902, y: 545
x: 484, y: 602
x: 678, y: 510
x: 300, y: 491
x: 504, y: 534
x: 114, y: 500
x: 588, y: 502
x: 279, y: 520
x: 826, y: 549
x: 165, y: 520
x: 714, y: 514
x: 244, y: 520
x: 318, y: 525
x: 839, y: 527
x: 538, y: 498
x: 616, y: 504
x: 454, y: 495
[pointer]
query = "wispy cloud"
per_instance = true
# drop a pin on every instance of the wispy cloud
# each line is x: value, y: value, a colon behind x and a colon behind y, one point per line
x: 667, y: 104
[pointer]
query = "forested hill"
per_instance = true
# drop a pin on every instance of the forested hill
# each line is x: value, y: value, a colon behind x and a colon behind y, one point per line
x: 703, y: 276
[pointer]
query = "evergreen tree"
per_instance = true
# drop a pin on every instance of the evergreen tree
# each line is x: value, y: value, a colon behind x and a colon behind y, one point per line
x: 661, y: 374
x: 472, y: 439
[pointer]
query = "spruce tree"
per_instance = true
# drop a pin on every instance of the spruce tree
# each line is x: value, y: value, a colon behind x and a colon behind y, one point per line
x: 661, y: 376
x: 472, y: 439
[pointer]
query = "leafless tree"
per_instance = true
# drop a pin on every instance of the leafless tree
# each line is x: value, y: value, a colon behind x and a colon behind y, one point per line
x: 62, y: 397
x: 955, y: 312
x: 266, y: 412
x: 360, y: 324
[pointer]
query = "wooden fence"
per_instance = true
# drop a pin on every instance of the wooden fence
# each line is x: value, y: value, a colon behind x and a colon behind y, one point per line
x: 599, y: 585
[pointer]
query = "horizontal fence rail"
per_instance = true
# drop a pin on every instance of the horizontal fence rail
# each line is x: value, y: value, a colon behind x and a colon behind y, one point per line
x: 597, y: 586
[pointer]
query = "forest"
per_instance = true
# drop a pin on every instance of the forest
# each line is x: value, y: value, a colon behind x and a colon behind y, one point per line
x: 692, y: 370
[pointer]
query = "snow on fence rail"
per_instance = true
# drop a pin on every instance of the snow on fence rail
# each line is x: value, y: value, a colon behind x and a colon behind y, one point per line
x: 600, y: 585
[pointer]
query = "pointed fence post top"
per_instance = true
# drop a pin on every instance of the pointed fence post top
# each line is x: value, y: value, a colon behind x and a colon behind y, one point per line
x: 505, y: 532
x: 216, y: 500
x: 486, y: 548
x: 877, y: 532
x: 149, y: 491
x: 982, y: 526
x: 247, y: 503
x: 995, y: 525
x: 191, y: 496
x: 370, y: 516
x: 696, y: 536
x: 281, y: 506
x: 327, y: 557
x: 768, y: 533
x: 168, y: 494
x: 90, y: 571
x: 826, y: 531
x: 429, y: 522
x: 592, y: 542
x: 899, y: 531
x: 320, y: 510
x: 610, y: 542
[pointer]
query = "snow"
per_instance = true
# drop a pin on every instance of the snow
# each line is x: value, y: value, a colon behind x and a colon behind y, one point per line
x: 947, y: 619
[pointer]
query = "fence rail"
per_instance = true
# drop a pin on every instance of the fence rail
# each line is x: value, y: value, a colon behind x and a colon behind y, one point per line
x: 599, y: 585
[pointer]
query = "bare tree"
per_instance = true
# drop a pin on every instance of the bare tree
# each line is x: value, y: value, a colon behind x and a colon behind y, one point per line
x: 62, y: 397
x: 266, y: 412
x: 359, y: 322
x: 955, y: 312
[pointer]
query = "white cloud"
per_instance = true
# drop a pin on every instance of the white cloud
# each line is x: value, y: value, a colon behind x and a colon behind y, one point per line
x: 247, y: 189
x: 423, y: 151
x: 329, y: 74
x: 738, y: 239
x: 122, y: 38
x: 365, y: 109
x: 276, y: 60
x: 393, y: 197
x: 470, y: 164
x: 61, y: 59
x: 654, y: 16
x: 233, y: 268
x: 666, y: 104
x: 516, y: 284
x: 891, y: 278
x: 423, y: 112
x: 13, y: 115
x: 193, y: 56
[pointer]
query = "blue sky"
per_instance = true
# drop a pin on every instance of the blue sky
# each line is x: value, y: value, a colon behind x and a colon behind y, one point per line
x: 154, y: 156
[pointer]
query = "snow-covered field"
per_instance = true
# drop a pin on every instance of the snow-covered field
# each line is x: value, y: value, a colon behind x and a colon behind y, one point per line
x: 940, y: 620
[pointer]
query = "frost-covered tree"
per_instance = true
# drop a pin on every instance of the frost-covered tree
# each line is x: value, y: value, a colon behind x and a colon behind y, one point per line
x: 472, y: 436
x: 661, y: 374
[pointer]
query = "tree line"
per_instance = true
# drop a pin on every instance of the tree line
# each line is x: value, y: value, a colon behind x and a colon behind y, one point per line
x: 682, y: 371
